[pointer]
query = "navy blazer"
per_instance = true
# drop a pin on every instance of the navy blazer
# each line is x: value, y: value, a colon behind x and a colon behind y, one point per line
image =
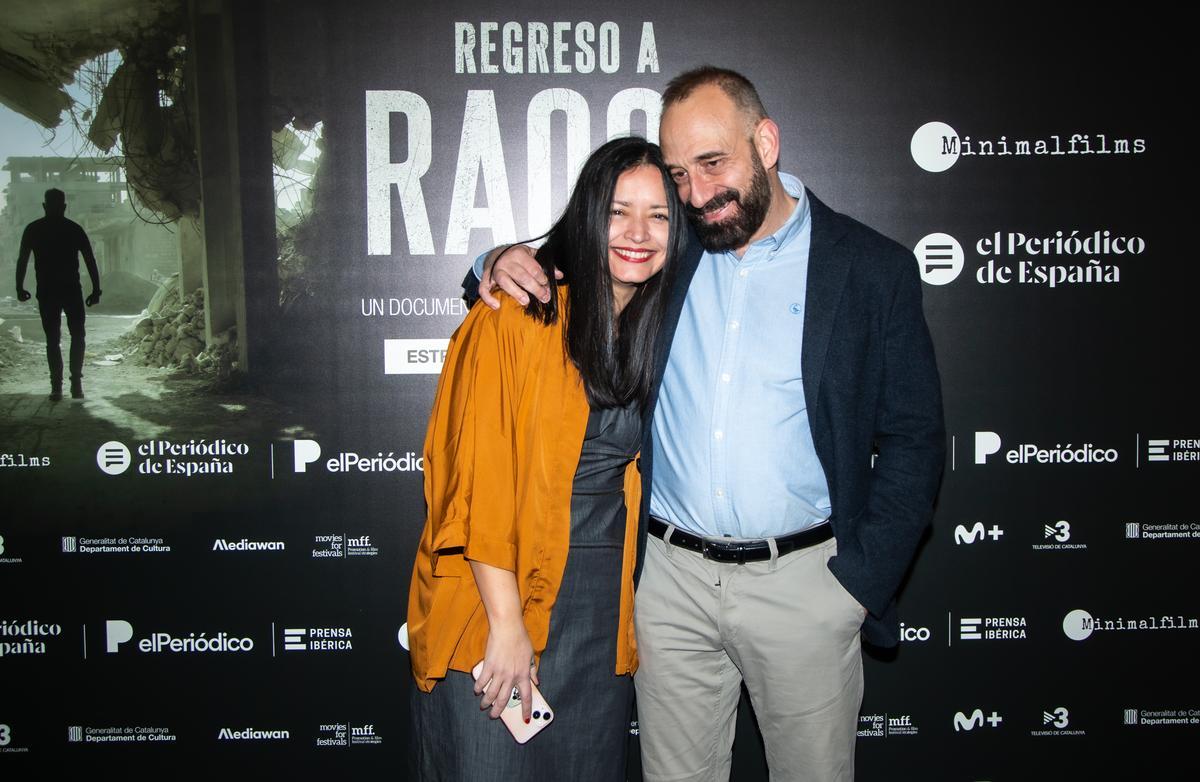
x: 871, y: 386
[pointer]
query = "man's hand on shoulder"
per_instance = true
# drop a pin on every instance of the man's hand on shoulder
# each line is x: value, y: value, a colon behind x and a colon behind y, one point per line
x: 515, y: 271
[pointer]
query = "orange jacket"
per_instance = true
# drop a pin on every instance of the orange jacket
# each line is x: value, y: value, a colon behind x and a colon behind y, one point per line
x: 501, y: 451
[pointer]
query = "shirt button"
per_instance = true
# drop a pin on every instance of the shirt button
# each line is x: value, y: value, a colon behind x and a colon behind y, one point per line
x: 718, y: 435
x: 742, y: 272
x: 733, y: 324
x: 720, y: 492
x: 725, y: 377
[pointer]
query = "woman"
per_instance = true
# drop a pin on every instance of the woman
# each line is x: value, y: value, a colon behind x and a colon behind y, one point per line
x: 526, y: 559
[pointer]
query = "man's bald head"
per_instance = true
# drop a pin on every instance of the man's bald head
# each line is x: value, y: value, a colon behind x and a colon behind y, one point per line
x: 736, y: 86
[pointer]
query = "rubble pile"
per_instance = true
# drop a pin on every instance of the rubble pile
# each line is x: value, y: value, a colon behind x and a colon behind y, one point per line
x: 172, y: 334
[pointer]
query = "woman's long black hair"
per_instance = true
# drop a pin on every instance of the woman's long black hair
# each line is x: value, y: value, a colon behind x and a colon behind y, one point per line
x: 615, y: 356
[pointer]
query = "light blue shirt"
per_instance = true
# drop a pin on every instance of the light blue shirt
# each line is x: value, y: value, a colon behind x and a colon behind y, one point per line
x: 733, y: 448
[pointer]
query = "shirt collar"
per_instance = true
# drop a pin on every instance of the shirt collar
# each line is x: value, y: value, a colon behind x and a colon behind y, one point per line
x: 797, y: 221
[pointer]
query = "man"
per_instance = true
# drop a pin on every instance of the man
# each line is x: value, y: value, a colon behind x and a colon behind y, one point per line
x: 791, y: 457
x: 56, y: 243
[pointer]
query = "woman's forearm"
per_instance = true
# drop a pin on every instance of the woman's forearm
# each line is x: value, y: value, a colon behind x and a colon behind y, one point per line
x: 498, y: 590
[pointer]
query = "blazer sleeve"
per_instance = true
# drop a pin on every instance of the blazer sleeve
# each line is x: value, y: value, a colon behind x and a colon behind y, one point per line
x: 470, y: 454
x: 910, y: 438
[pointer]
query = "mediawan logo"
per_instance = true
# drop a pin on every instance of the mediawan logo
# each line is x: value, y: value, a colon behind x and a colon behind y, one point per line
x: 252, y: 734
x: 1054, y: 260
x: 222, y: 544
x: 118, y: 632
x: 936, y: 146
x: 22, y: 637
x: 1079, y: 625
x: 989, y: 443
x: 306, y: 452
x: 163, y: 457
x: 414, y: 356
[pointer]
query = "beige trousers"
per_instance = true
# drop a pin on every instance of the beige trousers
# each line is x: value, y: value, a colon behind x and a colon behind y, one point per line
x: 786, y: 627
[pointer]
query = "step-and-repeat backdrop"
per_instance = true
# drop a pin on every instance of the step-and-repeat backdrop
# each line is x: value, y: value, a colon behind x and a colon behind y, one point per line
x: 220, y: 580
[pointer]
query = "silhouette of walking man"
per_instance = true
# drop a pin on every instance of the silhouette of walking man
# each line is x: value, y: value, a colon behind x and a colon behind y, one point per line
x: 56, y: 243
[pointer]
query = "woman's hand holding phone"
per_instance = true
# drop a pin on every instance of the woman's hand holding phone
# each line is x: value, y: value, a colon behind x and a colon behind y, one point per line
x: 506, y: 665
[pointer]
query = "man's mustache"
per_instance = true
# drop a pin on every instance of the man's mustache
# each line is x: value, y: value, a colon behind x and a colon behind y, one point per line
x: 714, y: 203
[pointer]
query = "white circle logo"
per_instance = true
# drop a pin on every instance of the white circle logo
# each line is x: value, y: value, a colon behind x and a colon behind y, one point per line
x: 402, y: 636
x: 113, y: 457
x: 940, y: 258
x: 935, y: 147
x: 1078, y: 624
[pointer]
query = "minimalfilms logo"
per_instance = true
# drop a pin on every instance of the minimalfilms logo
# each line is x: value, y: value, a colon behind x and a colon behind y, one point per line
x: 936, y: 146
x: 113, y: 457
x: 939, y: 258
x: 989, y: 443
x: 1079, y: 625
x: 976, y: 719
x: 414, y: 356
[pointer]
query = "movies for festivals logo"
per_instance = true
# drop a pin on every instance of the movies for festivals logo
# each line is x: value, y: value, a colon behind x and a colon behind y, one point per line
x: 988, y: 445
x: 1080, y: 624
x: 27, y: 637
x: 120, y: 734
x: 307, y: 453
x: 118, y: 633
x: 1058, y: 259
x: 338, y: 545
x: 164, y: 457
x: 936, y: 147
x: 345, y: 734
x: 886, y: 725
x: 72, y: 544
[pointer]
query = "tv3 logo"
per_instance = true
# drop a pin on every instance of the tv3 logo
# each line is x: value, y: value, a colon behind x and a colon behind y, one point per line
x: 1060, y: 531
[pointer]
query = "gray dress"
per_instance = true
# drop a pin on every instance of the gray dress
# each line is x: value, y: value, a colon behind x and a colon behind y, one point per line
x: 456, y: 742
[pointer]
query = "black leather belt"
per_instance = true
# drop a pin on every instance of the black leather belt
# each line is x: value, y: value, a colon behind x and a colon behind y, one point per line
x: 744, y: 550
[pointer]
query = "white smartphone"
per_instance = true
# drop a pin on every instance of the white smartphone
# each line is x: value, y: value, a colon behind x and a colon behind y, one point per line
x: 540, y: 717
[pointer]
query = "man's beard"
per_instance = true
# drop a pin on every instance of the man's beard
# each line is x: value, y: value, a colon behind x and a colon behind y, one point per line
x: 752, y: 208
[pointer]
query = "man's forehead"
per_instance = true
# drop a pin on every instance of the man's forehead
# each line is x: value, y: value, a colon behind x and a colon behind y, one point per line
x: 704, y: 122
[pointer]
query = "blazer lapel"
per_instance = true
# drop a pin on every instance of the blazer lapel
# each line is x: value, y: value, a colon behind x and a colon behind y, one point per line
x: 828, y: 268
